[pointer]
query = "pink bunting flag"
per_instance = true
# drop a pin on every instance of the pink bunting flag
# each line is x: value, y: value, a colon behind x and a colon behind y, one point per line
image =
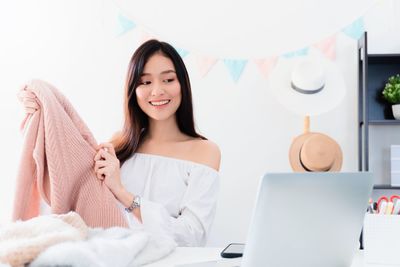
x: 266, y: 65
x: 328, y: 47
x: 204, y: 64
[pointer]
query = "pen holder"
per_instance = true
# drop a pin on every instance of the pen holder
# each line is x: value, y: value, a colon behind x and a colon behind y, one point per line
x: 381, y: 239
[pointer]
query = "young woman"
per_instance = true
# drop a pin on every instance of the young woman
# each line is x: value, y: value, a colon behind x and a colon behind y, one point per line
x: 158, y: 167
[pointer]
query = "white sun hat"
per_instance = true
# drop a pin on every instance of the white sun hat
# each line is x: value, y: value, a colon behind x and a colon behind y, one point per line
x: 307, y: 85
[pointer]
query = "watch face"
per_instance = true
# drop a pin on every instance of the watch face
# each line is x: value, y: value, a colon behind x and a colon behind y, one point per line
x: 135, y: 204
x: 136, y: 201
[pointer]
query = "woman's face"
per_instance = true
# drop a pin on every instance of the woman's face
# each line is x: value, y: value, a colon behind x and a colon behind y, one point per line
x: 159, y: 91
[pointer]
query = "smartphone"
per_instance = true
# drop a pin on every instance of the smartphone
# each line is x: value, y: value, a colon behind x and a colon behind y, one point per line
x: 233, y: 250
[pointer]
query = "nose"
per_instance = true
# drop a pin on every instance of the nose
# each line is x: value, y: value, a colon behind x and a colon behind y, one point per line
x: 157, y: 90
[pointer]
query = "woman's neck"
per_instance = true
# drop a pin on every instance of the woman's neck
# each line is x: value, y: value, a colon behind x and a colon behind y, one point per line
x: 164, y: 131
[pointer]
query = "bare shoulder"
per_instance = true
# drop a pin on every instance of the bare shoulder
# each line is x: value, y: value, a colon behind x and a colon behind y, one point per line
x: 206, y: 152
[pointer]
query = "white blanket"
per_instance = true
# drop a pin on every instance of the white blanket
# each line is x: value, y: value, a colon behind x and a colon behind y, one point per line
x: 65, y: 240
x: 23, y: 241
x: 111, y: 247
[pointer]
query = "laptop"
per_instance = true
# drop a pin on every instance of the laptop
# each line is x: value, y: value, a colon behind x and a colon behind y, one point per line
x: 307, y: 219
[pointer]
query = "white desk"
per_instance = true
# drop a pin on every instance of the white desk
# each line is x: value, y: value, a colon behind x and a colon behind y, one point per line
x: 184, y: 255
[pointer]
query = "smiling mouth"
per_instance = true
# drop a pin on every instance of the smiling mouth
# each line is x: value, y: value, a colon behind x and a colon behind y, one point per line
x: 159, y: 103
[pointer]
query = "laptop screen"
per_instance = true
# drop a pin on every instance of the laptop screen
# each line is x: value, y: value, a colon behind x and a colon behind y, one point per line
x: 307, y: 219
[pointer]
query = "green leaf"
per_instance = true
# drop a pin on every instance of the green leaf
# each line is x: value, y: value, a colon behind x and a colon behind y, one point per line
x: 391, y: 92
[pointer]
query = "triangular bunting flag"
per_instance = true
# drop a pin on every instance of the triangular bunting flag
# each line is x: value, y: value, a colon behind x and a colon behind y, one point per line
x: 356, y: 29
x: 204, y: 64
x: 266, y: 65
x: 328, y: 47
x: 235, y: 67
x: 125, y: 24
x: 300, y: 52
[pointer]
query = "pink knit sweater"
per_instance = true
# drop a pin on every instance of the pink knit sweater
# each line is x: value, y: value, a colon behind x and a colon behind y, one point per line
x: 57, y: 164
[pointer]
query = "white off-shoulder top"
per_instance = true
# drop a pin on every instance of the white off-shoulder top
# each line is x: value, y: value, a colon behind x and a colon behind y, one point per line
x: 178, y: 197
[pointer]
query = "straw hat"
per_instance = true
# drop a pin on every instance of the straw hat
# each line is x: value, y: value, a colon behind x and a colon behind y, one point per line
x: 315, y: 152
x: 307, y: 85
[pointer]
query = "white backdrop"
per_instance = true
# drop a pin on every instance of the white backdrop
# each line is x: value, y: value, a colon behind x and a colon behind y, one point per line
x: 71, y: 44
x: 244, y: 29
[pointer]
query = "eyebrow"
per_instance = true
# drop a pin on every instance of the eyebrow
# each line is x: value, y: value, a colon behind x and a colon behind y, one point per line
x: 163, y: 72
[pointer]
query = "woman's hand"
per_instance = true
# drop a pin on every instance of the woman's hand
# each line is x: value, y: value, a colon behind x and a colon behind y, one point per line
x: 28, y: 100
x: 107, y: 168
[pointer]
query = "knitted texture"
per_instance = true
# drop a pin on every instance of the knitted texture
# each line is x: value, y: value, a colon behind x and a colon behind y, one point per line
x: 22, y: 241
x: 57, y: 164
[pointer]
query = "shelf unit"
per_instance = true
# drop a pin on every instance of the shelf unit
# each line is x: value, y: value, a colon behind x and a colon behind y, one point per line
x: 385, y: 186
x: 377, y: 127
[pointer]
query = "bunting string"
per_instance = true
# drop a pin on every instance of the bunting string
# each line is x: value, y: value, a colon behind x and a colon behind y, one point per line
x: 235, y: 67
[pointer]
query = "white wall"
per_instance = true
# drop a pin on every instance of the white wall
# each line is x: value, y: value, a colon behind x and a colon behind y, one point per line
x: 70, y: 44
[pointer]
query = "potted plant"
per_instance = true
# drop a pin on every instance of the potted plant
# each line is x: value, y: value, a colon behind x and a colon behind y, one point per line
x: 391, y: 93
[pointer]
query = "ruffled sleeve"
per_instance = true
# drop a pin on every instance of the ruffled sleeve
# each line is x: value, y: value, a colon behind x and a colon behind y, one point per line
x: 197, y: 210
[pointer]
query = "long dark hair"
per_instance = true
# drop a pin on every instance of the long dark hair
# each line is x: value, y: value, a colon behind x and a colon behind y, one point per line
x: 136, y: 122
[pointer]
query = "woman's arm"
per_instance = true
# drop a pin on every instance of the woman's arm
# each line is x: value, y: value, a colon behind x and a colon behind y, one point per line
x: 126, y: 198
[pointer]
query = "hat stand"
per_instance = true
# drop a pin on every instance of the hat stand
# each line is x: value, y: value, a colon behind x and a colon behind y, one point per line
x: 306, y: 124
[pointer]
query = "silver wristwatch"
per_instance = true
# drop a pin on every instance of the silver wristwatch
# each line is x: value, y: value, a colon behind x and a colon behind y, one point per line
x: 135, y: 204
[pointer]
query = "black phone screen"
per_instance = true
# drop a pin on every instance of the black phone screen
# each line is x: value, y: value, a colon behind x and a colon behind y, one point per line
x: 233, y: 250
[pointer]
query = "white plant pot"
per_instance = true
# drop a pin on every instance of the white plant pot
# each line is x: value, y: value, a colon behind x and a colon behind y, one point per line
x: 396, y: 111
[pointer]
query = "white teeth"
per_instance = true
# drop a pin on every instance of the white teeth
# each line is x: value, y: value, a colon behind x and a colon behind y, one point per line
x: 159, y: 103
